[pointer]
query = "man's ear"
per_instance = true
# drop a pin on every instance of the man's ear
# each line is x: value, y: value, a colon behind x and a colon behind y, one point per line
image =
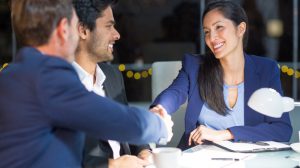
x: 242, y: 28
x: 82, y: 31
x: 62, y: 30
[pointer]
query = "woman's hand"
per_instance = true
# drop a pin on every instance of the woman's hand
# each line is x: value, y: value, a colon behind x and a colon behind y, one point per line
x: 162, y: 112
x: 202, y: 133
x: 159, y: 109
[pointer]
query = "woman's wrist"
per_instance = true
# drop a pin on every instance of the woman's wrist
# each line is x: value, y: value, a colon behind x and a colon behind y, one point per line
x: 228, y: 135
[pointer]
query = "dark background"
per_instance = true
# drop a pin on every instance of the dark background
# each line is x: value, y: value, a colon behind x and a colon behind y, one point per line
x: 163, y: 30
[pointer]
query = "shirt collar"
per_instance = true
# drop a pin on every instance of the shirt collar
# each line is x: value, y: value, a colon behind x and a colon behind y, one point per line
x: 83, y: 75
x: 100, y: 76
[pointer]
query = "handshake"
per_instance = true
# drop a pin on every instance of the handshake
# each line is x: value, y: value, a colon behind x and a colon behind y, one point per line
x: 163, y: 114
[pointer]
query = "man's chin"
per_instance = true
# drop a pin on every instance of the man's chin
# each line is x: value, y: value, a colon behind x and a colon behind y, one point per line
x: 107, y: 58
x: 110, y: 57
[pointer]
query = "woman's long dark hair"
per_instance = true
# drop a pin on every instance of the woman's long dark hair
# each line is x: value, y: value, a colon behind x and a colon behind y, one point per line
x: 211, y: 75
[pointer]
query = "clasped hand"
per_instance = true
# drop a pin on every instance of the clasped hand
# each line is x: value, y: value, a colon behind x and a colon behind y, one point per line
x: 161, y: 111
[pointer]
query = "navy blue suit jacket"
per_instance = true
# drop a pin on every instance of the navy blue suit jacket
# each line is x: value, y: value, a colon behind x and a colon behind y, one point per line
x: 45, y: 112
x: 259, y: 72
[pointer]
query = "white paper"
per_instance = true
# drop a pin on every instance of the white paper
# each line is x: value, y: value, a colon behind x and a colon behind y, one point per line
x: 204, y: 158
x: 246, y: 146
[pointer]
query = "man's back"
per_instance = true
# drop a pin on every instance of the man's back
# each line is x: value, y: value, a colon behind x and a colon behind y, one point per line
x: 28, y: 130
x: 27, y: 133
x: 44, y: 110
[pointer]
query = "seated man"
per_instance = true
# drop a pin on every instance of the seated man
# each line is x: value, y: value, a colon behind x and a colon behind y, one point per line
x: 97, y: 36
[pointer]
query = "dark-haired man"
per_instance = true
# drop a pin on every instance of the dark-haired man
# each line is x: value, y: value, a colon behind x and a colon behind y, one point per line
x: 97, y: 35
x: 45, y: 111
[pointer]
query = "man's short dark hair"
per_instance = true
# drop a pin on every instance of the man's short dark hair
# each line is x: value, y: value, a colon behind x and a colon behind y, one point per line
x: 89, y: 10
x: 35, y: 20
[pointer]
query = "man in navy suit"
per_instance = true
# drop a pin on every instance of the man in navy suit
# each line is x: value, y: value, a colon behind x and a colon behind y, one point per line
x: 97, y: 36
x: 45, y: 111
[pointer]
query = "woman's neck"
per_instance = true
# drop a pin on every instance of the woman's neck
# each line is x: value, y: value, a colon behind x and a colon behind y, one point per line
x: 233, y: 68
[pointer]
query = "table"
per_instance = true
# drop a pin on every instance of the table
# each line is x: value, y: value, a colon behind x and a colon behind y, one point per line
x: 276, y: 159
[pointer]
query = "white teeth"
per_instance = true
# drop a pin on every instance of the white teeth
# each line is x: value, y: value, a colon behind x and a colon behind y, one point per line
x: 218, y: 45
x: 110, y: 45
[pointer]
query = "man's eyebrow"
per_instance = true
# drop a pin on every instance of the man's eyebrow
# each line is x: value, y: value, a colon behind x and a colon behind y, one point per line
x: 111, y: 22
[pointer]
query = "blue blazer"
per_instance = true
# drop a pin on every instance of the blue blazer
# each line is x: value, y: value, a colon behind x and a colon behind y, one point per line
x: 45, y: 112
x: 259, y: 72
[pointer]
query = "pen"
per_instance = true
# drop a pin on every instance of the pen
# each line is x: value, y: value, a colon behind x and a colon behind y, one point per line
x: 234, y: 159
x: 261, y: 143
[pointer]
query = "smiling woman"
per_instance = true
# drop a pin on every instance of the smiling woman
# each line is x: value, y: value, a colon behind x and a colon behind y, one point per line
x: 218, y: 84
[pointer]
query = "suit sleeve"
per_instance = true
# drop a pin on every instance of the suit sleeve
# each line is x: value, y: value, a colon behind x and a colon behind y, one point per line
x: 176, y: 94
x: 69, y: 105
x: 276, y: 129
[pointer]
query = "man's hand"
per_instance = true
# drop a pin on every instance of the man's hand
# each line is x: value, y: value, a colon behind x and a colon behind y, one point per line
x: 127, y: 161
x: 202, y: 133
x: 161, y: 111
x: 146, y: 155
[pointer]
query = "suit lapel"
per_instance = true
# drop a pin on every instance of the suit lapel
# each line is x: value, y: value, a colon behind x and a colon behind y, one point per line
x: 106, y: 85
x: 107, y: 88
x: 105, y: 148
x: 109, y: 92
x: 252, y: 83
x: 125, y: 149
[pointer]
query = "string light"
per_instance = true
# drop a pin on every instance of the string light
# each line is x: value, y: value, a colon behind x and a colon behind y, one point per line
x: 284, y: 68
x: 145, y: 74
x: 148, y: 72
x: 129, y: 74
x: 297, y: 74
x: 122, y: 67
x: 3, y: 66
x: 289, y: 71
x: 137, y: 76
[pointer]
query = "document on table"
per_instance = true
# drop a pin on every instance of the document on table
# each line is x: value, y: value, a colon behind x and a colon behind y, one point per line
x: 214, y: 159
x: 248, y: 147
x: 210, y: 156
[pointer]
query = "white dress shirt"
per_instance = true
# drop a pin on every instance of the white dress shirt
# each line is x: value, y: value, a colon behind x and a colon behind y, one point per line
x: 97, y: 87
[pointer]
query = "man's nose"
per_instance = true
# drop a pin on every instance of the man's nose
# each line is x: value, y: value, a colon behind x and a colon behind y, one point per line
x: 117, y: 35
